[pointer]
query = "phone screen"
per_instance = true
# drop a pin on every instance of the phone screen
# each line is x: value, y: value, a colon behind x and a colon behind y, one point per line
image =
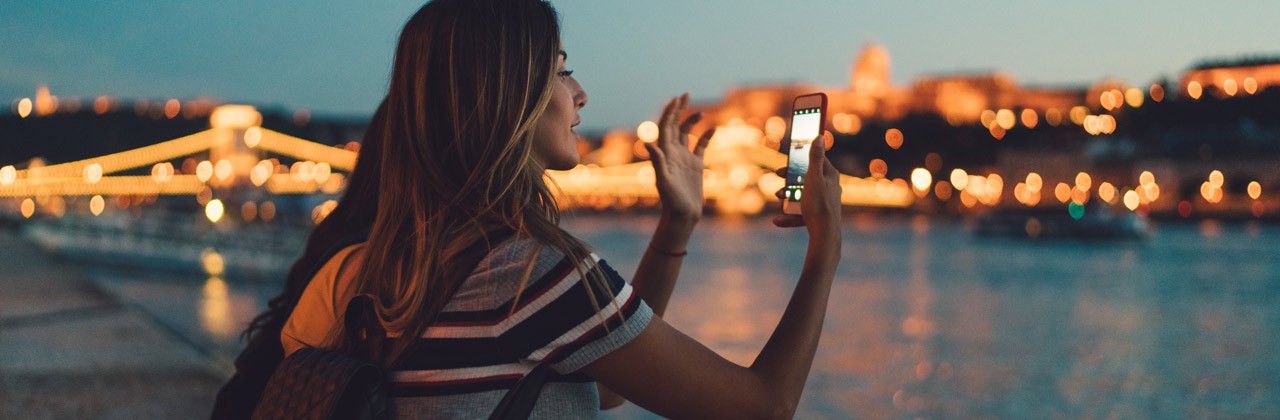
x: 806, y: 123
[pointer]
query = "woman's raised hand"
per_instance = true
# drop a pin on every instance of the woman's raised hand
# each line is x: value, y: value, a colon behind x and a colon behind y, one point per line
x: 820, y: 204
x: 678, y: 168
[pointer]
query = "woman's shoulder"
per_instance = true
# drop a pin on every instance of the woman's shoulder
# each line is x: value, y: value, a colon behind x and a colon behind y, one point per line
x: 521, y: 248
x: 321, y: 301
x: 518, y: 262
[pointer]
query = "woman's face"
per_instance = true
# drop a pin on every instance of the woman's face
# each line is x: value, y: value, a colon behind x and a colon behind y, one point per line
x: 555, y: 144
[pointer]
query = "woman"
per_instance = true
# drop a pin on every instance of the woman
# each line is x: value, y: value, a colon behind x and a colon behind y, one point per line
x: 479, y: 107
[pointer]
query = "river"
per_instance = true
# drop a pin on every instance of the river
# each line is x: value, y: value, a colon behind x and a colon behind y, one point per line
x: 928, y: 321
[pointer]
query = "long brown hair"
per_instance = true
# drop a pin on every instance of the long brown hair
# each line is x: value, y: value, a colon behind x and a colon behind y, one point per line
x: 471, y: 79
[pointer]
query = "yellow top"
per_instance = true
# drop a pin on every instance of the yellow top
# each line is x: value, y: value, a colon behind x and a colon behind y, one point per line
x: 317, y: 312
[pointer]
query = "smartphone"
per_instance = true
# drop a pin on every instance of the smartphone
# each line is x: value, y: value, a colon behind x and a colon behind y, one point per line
x: 807, y: 115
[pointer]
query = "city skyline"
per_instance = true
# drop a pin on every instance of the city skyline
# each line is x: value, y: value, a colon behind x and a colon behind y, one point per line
x: 334, y: 58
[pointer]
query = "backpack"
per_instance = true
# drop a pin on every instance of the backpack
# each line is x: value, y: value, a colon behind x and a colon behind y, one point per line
x: 263, y: 355
x: 315, y: 383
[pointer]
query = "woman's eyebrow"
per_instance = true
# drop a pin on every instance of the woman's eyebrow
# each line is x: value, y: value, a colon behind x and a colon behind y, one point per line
x: 564, y: 55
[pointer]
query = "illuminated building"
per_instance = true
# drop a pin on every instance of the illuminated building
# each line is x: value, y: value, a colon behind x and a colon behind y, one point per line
x: 1234, y: 78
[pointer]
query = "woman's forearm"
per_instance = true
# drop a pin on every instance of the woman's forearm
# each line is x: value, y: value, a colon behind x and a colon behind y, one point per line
x: 658, y: 270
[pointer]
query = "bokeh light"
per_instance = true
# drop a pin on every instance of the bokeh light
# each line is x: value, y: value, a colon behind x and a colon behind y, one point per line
x: 252, y: 136
x: 1076, y: 210
x: 213, y: 210
x: 1062, y: 192
x: 212, y: 262
x: 1133, y: 97
x: 1005, y: 119
x: 921, y: 179
x: 774, y: 128
x: 893, y: 138
x: 647, y: 131
x: 1229, y: 87
x: 1106, y: 192
x: 1053, y: 116
x: 847, y: 123
x: 28, y: 208
x: 97, y: 204
x: 959, y: 179
x: 204, y: 171
x: 878, y: 168
x: 1194, y: 90
x: 987, y: 118
x: 1131, y: 200
x: 1250, y: 85
x: 1029, y: 118
x: 1216, y: 178
x: 1034, y: 182
x: 222, y: 170
x: 8, y: 174
x: 93, y: 173
x: 1084, y: 181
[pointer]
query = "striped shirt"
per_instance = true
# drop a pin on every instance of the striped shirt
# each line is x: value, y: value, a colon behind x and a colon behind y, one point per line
x: 485, y: 339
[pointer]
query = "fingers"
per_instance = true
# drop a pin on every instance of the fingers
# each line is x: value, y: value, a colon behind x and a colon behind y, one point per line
x: 781, y: 194
x: 781, y: 172
x: 703, y: 140
x: 666, y: 111
x: 670, y: 125
x: 657, y: 156
x: 788, y: 221
x: 672, y: 115
x: 817, y: 158
x: 690, y: 121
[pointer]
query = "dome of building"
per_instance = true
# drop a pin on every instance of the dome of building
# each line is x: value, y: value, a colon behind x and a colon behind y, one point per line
x: 871, y: 71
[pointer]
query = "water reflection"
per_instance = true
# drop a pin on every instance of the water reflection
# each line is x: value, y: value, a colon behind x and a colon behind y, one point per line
x: 215, y: 310
x: 729, y: 315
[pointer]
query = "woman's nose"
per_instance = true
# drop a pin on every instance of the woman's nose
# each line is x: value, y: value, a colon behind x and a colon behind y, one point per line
x: 580, y: 95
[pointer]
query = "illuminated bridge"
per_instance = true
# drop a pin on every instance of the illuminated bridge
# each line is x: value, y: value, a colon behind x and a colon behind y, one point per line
x: 738, y: 179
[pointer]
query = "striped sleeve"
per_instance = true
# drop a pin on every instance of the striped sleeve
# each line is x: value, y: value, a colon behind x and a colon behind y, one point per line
x: 570, y: 323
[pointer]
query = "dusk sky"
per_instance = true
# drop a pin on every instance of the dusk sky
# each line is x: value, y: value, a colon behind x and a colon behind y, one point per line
x: 334, y: 56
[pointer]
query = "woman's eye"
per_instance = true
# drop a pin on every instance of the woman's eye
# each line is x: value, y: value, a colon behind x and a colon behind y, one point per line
x: 565, y: 73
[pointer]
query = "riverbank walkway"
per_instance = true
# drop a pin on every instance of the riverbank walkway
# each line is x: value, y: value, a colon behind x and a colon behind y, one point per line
x: 71, y: 349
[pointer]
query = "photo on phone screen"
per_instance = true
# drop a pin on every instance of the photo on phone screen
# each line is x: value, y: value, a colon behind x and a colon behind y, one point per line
x: 806, y: 126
